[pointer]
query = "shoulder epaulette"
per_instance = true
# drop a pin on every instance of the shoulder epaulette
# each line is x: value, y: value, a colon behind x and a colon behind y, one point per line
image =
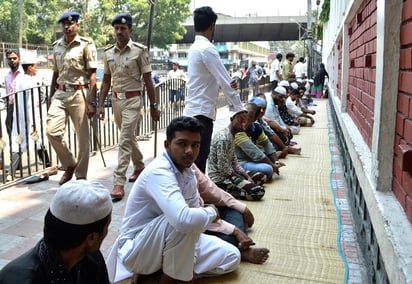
x: 56, y: 42
x: 88, y: 40
x: 109, y: 47
x: 139, y: 45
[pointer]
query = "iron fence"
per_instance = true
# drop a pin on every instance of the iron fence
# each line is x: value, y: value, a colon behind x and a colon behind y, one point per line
x: 30, y: 106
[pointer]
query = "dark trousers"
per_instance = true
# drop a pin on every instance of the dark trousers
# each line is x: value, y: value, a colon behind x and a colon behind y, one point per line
x: 274, y: 84
x: 233, y: 217
x: 205, y: 142
x: 9, y: 118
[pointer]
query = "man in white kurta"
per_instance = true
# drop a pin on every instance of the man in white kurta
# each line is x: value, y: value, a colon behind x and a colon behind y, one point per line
x: 163, y: 221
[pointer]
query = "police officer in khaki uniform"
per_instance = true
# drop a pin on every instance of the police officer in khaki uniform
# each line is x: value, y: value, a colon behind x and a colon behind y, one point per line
x: 73, y: 92
x: 126, y: 63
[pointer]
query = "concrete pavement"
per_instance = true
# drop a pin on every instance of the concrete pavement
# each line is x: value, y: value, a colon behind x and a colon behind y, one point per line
x: 22, y: 206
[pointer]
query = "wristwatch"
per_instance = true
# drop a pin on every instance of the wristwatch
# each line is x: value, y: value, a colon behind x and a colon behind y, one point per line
x: 154, y: 106
x: 93, y: 104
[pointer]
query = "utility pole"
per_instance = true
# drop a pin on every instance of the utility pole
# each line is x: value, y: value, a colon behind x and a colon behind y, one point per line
x: 86, y: 18
x: 309, y: 45
x: 21, y: 24
x: 148, y: 42
x: 149, y: 29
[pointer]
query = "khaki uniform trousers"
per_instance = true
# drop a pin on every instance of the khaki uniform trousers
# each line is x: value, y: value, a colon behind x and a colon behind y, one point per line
x: 127, y: 116
x: 63, y: 106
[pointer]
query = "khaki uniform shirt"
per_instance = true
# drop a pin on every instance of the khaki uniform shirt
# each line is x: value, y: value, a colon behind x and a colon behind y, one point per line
x: 126, y: 66
x: 72, y: 60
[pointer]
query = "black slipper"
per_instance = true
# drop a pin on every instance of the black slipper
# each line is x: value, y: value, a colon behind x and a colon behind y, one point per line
x: 35, y: 179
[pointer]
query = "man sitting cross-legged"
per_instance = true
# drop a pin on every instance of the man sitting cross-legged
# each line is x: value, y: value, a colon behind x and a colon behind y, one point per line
x: 163, y: 223
x: 235, y: 219
x: 223, y: 166
x: 253, y: 149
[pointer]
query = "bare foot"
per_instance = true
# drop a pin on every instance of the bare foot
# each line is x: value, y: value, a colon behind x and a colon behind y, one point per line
x: 294, y: 151
x: 279, y: 154
x: 255, y: 255
x: 277, y: 166
x: 285, y: 152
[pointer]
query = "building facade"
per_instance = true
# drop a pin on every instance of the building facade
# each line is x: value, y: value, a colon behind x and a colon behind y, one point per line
x: 367, y: 50
x: 233, y: 54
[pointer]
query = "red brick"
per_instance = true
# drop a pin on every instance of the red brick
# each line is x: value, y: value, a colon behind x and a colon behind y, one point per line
x: 407, y: 10
x: 406, y: 58
x: 400, y: 122
x: 409, y: 208
x: 407, y: 132
x: 399, y: 192
x: 405, y: 79
x: 397, y: 169
x: 407, y: 182
x: 403, y: 104
x: 406, y: 35
x: 410, y: 108
x: 373, y: 60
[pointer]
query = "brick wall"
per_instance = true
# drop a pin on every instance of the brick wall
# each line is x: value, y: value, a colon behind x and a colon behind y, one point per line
x: 362, y: 54
x: 339, y: 78
x: 402, y: 181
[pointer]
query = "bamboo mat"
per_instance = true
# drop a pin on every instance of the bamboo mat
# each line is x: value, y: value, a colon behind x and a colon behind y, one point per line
x: 296, y: 219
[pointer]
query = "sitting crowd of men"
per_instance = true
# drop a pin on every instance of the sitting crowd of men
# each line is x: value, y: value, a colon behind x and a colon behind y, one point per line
x: 181, y: 219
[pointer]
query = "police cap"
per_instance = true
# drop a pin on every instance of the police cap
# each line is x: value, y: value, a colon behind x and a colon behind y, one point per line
x: 69, y: 15
x: 122, y: 18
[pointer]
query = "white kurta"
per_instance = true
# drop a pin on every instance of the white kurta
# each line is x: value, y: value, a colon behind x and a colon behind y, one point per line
x: 162, y: 229
x: 21, y: 127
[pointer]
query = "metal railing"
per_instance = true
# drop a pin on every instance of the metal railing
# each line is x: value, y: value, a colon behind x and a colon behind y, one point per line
x: 31, y: 106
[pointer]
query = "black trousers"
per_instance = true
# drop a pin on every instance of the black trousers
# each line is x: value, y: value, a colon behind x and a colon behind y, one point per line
x: 205, y: 142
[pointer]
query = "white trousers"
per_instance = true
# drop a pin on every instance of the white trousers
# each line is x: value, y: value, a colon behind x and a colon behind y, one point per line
x: 180, y: 255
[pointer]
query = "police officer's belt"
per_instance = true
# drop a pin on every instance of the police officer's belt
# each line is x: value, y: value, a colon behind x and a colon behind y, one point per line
x: 127, y: 95
x: 71, y: 88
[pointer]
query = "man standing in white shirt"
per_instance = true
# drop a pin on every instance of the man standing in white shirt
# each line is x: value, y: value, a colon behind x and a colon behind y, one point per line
x: 299, y: 69
x: 176, y: 78
x: 276, y: 71
x: 206, y: 73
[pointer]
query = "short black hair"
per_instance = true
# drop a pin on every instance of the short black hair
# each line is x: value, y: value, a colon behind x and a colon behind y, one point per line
x: 204, y: 17
x: 295, y: 92
x: 252, y: 107
x: 26, y: 66
x: 10, y: 51
x: 181, y: 123
x: 61, y: 235
x: 279, y: 55
x: 290, y: 54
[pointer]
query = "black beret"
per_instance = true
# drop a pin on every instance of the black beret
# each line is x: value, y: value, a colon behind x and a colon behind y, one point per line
x: 70, y: 15
x: 122, y: 18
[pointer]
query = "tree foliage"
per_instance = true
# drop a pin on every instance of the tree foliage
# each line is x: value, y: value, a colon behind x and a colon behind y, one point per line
x: 324, y: 14
x: 40, y: 19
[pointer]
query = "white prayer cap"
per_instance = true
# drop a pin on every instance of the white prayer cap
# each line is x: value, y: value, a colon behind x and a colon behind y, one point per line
x: 280, y: 90
x: 233, y: 113
x: 284, y: 83
x: 28, y: 56
x: 81, y: 202
x: 294, y: 85
x: 300, y: 81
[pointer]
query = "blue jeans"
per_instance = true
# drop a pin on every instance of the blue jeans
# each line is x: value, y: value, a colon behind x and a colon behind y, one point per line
x: 174, y: 94
x: 233, y: 217
x: 258, y: 167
